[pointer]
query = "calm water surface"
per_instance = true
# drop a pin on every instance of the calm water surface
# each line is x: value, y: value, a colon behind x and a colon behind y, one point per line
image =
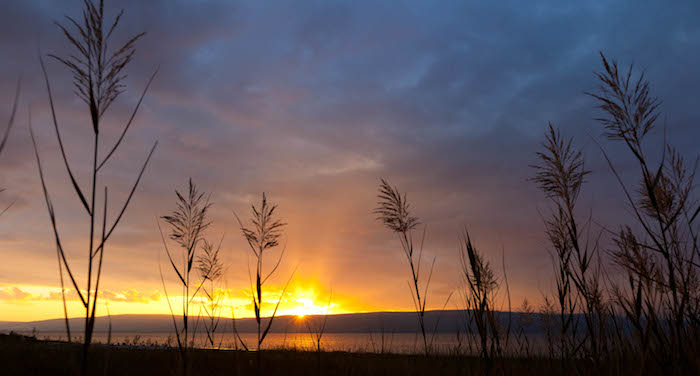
x: 400, y: 343
x: 357, y: 342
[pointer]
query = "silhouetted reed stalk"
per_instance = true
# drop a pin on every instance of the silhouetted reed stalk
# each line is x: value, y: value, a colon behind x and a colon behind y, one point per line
x: 547, y: 313
x: 560, y: 175
x: 317, y: 329
x: 187, y: 224
x: 236, y: 333
x: 11, y: 120
x: 663, y: 294
x: 526, y: 319
x: 262, y: 234
x: 385, y: 339
x: 98, y: 74
x: 481, y: 290
x: 6, y: 133
x: 210, y: 268
x: 393, y: 211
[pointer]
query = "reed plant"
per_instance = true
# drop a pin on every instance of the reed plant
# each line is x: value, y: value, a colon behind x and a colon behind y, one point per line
x: 560, y: 174
x: 6, y: 133
x: 11, y: 120
x: 393, y: 210
x: 262, y: 234
x: 98, y: 72
x: 547, y: 320
x: 316, y: 326
x: 186, y: 225
x: 526, y: 321
x: 659, y: 250
x: 384, y: 339
x: 480, y: 292
x: 211, y: 270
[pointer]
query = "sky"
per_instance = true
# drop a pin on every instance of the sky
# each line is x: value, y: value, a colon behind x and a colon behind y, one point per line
x: 312, y: 103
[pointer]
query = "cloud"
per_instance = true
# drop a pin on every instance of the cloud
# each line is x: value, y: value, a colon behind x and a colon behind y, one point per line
x: 36, y: 293
x: 14, y: 293
x: 313, y: 103
x: 132, y: 296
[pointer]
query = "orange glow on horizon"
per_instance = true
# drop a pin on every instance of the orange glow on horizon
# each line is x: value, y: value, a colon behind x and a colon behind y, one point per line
x: 308, y: 301
x: 302, y: 298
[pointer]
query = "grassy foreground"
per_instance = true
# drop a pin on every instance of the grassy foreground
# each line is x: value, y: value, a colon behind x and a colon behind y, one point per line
x: 21, y: 355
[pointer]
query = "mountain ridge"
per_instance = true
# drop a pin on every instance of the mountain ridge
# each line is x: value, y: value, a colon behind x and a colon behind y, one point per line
x: 445, y: 321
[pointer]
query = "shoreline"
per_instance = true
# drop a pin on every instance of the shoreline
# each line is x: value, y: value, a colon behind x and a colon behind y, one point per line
x: 22, y: 355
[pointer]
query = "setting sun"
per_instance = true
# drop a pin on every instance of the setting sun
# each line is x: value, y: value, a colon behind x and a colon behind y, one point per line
x: 307, y: 307
x: 304, y: 302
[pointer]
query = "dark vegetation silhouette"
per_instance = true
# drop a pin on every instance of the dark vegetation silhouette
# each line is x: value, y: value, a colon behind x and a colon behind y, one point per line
x: 186, y: 228
x: 560, y: 175
x: 98, y: 72
x: 381, y: 340
x: 640, y: 315
x: 316, y: 325
x: 393, y: 210
x: 211, y: 270
x: 6, y: 133
x: 262, y: 234
x: 480, y: 293
x: 658, y: 251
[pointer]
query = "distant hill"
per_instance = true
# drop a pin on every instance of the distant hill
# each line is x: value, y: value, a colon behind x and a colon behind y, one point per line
x: 389, y: 322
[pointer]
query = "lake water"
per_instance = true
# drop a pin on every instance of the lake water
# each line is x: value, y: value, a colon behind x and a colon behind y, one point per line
x: 404, y: 343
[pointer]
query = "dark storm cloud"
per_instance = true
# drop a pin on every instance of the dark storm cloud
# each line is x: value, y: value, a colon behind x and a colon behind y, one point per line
x: 314, y: 101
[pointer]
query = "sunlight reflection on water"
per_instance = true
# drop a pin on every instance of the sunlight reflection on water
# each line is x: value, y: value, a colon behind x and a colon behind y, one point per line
x: 356, y: 342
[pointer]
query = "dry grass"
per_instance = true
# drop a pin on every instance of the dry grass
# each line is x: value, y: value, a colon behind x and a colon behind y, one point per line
x: 186, y: 225
x: 11, y: 120
x: 393, y: 210
x: 659, y: 250
x: 560, y: 174
x: 6, y: 133
x: 262, y: 234
x: 23, y: 356
x: 645, y: 319
x: 211, y: 269
x: 98, y: 72
x: 479, y: 302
